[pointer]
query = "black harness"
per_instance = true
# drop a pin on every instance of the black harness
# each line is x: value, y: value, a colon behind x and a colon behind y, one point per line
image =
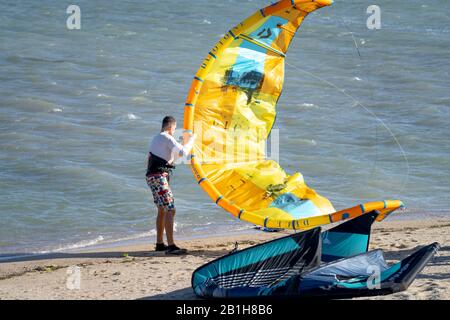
x: 158, y: 165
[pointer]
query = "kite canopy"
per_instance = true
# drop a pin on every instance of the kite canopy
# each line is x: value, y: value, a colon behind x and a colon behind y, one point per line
x: 294, y: 266
x: 231, y: 108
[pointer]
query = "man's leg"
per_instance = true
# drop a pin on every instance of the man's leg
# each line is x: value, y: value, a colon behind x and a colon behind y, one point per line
x: 170, y: 218
x: 160, y: 221
x: 172, y: 248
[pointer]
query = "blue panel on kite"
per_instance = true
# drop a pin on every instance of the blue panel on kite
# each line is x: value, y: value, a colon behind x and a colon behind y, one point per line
x: 291, y: 267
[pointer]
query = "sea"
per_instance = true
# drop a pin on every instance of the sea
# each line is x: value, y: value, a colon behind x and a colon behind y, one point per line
x: 364, y: 113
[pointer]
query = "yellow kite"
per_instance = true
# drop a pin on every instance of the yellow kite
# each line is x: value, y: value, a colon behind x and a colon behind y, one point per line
x: 231, y: 106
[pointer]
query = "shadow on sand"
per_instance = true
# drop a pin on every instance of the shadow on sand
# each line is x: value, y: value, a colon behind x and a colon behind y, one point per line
x: 180, y: 294
x: 111, y: 255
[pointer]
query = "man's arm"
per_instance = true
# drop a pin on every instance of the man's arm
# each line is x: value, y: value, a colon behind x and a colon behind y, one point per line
x: 179, y: 150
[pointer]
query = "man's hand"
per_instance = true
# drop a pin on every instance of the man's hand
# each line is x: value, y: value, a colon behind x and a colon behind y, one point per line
x: 187, y: 136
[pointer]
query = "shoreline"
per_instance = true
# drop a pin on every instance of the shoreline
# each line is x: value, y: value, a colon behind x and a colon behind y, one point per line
x: 134, y: 271
x: 120, y: 243
x: 185, y: 235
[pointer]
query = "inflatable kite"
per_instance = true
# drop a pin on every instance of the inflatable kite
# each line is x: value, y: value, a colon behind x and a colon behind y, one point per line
x: 231, y: 107
x: 332, y: 264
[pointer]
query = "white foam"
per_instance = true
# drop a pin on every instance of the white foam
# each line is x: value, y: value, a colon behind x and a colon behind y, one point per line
x: 100, y: 240
x: 77, y: 245
x: 357, y: 79
x: 131, y: 116
x: 134, y: 237
x: 308, y: 105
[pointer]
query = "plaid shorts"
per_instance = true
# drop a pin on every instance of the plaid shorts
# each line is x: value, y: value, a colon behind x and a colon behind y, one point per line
x: 162, y: 194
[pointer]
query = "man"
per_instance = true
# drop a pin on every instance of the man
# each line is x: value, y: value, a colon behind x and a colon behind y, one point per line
x: 163, y: 151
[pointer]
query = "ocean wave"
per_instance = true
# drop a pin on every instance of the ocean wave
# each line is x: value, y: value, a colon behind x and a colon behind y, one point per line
x: 308, y: 106
x: 76, y: 245
x: 99, y: 240
x: 104, y: 96
x: 131, y: 116
x: 141, y: 100
x: 309, y: 142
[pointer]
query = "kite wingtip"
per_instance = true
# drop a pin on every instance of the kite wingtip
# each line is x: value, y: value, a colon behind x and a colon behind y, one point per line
x: 324, y: 2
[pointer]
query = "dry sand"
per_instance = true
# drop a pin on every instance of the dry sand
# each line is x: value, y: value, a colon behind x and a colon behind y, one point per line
x: 135, y: 272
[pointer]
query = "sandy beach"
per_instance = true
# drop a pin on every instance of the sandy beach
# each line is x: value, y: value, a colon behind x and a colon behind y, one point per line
x: 135, y: 272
